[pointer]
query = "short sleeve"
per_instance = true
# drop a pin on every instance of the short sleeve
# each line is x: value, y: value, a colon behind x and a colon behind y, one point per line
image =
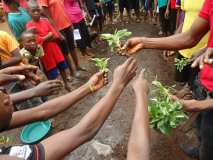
x: 10, y: 42
x: 43, y: 3
x: 204, y: 13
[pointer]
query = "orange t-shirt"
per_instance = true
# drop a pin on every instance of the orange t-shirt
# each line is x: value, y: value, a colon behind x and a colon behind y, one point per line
x: 57, y: 12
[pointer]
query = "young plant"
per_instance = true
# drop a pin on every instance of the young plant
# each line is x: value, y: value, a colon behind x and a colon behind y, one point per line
x: 165, y: 114
x: 181, y: 63
x: 101, y: 63
x: 114, y: 39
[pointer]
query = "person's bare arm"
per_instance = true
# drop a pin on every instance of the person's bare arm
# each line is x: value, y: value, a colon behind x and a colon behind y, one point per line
x: 197, y: 106
x: 87, y: 128
x: 55, y: 106
x: 14, y: 60
x: 6, y: 157
x: 175, y: 42
x: 139, y: 142
x: 43, y: 89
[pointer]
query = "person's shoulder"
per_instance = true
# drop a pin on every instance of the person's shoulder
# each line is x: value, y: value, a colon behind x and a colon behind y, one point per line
x: 4, y: 34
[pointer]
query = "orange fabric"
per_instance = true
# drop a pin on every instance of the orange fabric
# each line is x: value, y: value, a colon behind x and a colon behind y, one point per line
x: 7, y: 45
x: 57, y: 12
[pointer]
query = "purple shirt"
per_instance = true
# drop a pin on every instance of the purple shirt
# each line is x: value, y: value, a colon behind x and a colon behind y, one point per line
x: 73, y: 10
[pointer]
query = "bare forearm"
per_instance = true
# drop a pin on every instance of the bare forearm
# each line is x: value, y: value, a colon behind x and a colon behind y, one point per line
x: 20, y: 96
x: 49, y: 109
x: 139, y: 144
x: 175, y: 42
x: 179, y: 41
x: 86, y: 128
x: 197, y: 106
x: 6, y: 157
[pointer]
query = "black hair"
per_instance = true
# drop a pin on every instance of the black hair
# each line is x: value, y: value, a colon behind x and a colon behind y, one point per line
x: 25, y: 33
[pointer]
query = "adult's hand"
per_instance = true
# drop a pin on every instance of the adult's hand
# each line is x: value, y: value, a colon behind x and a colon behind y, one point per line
x: 141, y: 84
x: 97, y: 81
x: 205, y: 58
x: 47, y: 88
x: 132, y: 46
x: 125, y: 72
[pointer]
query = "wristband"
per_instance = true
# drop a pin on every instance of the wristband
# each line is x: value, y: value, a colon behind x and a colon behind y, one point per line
x: 92, y: 88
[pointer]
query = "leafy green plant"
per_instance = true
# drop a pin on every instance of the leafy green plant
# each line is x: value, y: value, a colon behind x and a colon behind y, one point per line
x: 181, y: 63
x: 101, y: 63
x: 115, y: 38
x: 165, y: 114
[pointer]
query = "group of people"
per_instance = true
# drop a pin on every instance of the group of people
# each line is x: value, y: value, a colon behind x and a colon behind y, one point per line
x: 46, y: 40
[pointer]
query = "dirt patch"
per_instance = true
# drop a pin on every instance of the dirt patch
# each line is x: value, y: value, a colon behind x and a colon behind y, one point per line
x: 115, y: 131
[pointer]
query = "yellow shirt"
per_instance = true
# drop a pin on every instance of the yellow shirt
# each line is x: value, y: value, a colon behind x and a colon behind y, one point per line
x: 7, y: 45
x: 192, y: 8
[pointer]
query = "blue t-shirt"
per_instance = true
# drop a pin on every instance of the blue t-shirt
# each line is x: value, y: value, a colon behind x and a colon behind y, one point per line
x: 17, y: 21
x: 162, y: 3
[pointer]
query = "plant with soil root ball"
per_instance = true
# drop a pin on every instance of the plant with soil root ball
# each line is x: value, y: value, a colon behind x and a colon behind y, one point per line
x: 181, y: 63
x: 101, y: 63
x: 114, y: 39
x: 165, y: 114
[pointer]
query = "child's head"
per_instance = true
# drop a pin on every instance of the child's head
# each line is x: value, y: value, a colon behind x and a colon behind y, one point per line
x: 34, y: 10
x: 6, y: 109
x: 28, y: 41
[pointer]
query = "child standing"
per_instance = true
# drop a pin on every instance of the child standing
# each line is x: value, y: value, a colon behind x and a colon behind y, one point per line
x: 53, y: 59
x: 75, y: 15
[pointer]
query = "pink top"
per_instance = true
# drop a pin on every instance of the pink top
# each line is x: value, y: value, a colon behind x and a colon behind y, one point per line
x: 73, y: 10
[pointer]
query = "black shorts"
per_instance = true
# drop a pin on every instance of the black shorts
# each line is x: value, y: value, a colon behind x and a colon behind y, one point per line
x: 68, y: 44
x: 25, y: 152
x: 108, y: 8
x: 124, y: 4
x: 84, y: 42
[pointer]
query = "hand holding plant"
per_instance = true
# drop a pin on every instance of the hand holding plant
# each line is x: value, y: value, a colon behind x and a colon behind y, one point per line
x: 114, y: 39
x: 101, y: 63
x: 165, y: 114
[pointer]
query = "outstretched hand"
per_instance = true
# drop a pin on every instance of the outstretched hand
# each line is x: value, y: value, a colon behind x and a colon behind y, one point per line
x: 125, y: 72
x: 141, y: 84
x: 205, y: 58
x: 47, y: 88
x: 22, y: 69
x: 15, y: 73
x: 131, y: 46
x: 97, y: 81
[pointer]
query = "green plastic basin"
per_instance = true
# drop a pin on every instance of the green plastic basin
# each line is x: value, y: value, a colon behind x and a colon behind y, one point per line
x: 34, y: 132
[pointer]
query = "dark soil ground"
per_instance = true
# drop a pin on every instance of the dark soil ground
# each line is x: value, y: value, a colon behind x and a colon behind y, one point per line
x: 115, y: 131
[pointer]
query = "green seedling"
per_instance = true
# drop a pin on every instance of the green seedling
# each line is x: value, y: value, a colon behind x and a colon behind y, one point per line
x: 114, y: 40
x: 101, y: 63
x: 181, y: 63
x: 165, y: 114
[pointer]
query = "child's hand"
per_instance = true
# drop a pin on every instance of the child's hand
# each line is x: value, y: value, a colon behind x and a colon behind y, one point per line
x: 47, y: 88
